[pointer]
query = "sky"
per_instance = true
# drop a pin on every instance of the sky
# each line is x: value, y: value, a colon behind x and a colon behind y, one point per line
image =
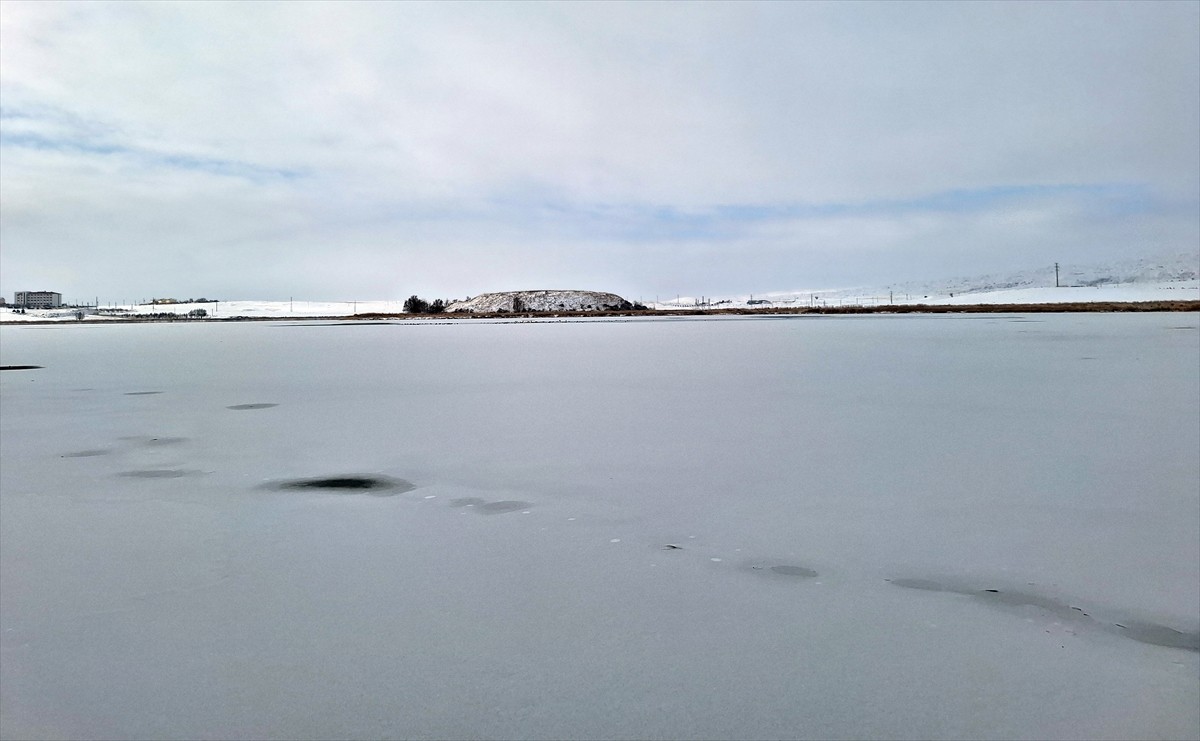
x: 375, y: 150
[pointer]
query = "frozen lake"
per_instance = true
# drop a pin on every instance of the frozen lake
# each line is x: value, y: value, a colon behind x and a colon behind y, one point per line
x: 839, y: 495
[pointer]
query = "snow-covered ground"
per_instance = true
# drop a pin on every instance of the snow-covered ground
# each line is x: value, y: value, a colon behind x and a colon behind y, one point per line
x: 1173, y: 278
x: 1178, y: 290
x: 1188, y: 290
x: 219, y: 310
x: 1166, y: 278
x: 1160, y: 291
x: 736, y: 527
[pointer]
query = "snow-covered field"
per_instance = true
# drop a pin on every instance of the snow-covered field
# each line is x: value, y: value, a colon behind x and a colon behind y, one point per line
x: 742, y: 527
x: 1175, y: 290
x: 1160, y: 291
x: 1030, y: 289
x: 218, y: 310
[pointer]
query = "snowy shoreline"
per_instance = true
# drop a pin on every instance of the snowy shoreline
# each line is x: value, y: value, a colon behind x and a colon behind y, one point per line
x: 1172, y: 296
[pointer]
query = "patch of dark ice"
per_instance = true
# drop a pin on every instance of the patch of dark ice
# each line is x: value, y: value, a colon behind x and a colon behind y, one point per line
x: 379, y: 486
x: 484, y: 507
x: 769, y: 568
x: 498, y: 508
x: 154, y: 473
x: 154, y: 441
x: 1138, y: 630
x: 793, y: 571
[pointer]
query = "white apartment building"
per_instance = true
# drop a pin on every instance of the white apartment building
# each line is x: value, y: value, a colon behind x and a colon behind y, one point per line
x: 37, y: 299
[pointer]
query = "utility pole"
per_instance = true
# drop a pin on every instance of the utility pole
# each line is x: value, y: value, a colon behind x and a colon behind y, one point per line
x: 1056, y: 275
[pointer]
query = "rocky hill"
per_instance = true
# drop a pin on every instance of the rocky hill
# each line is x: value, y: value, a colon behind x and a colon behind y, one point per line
x: 517, y: 301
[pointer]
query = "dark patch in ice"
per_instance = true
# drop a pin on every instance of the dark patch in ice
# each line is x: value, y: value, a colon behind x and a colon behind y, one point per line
x: 85, y: 453
x: 775, y: 568
x: 19, y: 367
x: 793, y: 571
x: 672, y: 547
x: 155, y: 441
x: 1026, y: 599
x: 142, y: 393
x: 1171, y: 328
x: 1159, y: 635
x: 925, y: 584
x: 499, y: 508
x: 484, y: 507
x: 242, y: 407
x: 155, y: 473
x: 379, y: 486
x: 1144, y: 632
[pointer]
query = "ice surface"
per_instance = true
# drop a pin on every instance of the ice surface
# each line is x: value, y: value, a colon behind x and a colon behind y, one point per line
x: 719, y: 528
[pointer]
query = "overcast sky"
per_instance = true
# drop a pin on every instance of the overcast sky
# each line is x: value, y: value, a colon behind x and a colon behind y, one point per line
x: 375, y: 150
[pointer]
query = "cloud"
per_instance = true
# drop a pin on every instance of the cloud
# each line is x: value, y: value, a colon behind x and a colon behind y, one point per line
x: 264, y: 149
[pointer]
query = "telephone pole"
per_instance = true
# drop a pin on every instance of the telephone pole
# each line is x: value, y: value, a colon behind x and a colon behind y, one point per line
x: 1056, y: 275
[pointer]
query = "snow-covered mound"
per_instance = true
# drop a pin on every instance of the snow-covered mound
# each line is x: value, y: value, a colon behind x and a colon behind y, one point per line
x: 515, y: 301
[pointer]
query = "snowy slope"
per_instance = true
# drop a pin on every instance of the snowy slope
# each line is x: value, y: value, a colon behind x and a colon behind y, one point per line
x: 1166, y: 278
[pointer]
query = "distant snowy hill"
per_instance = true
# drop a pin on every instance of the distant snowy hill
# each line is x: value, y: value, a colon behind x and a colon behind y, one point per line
x: 1180, y: 267
x: 1166, y: 278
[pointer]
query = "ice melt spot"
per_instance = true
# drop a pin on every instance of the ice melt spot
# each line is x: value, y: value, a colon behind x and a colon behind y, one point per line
x: 380, y: 486
x: 85, y: 453
x: 155, y: 441
x: 1159, y: 635
x: 1144, y: 632
x: 793, y: 571
x: 242, y: 407
x: 499, y: 507
x: 925, y: 584
x: 142, y: 393
x: 484, y: 507
x: 155, y: 473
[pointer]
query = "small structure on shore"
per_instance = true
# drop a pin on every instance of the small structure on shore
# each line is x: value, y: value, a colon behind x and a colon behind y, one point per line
x: 37, y: 299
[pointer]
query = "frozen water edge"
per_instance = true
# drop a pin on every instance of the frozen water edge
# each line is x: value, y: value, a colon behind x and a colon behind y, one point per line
x: 524, y: 588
